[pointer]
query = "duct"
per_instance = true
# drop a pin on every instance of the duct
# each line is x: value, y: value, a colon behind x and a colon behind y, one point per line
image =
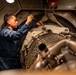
x: 56, y: 48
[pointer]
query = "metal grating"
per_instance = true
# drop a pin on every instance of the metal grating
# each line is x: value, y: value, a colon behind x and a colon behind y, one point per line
x: 33, y: 50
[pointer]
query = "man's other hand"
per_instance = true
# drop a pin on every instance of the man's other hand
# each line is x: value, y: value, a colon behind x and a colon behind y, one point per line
x: 29, y: 19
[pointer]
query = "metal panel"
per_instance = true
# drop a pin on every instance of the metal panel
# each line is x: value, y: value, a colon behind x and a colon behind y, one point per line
x: 2, y: 4
x: 22, y: 15
x: 66, y: 4
x: 31, y: 4
x: 68, y: 16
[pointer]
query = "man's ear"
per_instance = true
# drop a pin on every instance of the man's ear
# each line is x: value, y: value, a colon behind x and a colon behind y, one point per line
x: 8, y: 21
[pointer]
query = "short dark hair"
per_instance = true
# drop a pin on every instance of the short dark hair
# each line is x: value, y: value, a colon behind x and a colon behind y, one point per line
x: 7, y: 17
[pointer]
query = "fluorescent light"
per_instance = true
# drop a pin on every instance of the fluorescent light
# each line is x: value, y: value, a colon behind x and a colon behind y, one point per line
x: 10, y: 1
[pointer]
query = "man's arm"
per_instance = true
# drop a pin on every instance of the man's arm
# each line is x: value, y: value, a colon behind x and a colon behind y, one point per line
x: 10, y: 34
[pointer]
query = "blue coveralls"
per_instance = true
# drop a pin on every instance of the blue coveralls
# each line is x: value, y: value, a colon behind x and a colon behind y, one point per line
x: 10, y: 42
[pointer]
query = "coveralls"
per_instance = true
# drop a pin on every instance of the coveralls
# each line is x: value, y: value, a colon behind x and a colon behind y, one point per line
x: 10, y: 44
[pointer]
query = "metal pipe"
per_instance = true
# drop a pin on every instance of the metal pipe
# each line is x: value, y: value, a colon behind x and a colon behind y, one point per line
x: 57, y: 47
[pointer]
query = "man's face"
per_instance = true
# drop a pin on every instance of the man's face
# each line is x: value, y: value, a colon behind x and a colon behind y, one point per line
x: 13, y: 22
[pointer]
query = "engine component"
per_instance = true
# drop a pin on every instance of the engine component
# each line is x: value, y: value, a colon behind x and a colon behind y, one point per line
x: 55, y: 56
x: 37, y: 40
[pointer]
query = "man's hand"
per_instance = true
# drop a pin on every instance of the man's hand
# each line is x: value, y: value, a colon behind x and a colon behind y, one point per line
x: 29, y: 19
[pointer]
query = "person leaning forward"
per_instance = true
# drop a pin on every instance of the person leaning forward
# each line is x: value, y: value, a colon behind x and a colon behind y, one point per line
x: 10, y: 40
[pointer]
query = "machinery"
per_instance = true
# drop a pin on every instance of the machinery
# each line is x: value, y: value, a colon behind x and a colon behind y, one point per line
x: 49, y: 47
x: 52, y: 46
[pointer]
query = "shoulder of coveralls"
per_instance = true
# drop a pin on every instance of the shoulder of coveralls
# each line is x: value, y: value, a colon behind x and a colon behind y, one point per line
x: 5, y: 29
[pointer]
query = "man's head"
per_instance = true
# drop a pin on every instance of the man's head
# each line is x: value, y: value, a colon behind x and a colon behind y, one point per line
x: 11, y: 21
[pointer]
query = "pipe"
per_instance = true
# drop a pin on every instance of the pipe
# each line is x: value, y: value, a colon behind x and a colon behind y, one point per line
x: 55, y: 50
x: 57, y: 47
